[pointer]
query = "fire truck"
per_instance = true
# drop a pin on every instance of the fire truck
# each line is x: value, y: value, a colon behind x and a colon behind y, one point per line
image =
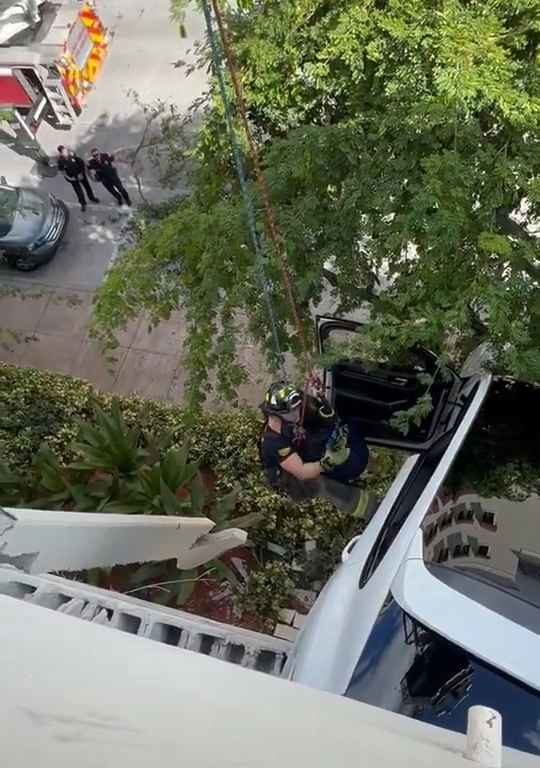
x: 51, y: 54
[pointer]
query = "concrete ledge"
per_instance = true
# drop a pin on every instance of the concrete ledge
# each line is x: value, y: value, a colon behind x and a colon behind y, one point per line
x: 74, y: 693
x: 211, y: 546
x: 38, y: 541
x: 147, y: 620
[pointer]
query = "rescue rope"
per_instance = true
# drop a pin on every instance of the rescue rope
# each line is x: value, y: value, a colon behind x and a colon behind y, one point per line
x: 271, y: 227
x: 247, y: 200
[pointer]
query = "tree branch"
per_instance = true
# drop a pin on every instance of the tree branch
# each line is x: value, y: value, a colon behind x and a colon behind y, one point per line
x: 512, y: 228
x: 330, y: 276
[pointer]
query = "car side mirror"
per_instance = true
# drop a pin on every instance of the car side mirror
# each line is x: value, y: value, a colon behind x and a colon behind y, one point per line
x: 3, y: 180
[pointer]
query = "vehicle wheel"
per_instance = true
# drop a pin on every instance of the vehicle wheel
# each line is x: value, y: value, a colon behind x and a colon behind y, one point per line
x: 22, y: 264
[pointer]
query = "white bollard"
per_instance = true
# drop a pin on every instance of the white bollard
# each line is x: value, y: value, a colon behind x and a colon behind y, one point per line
x: 484, y: 737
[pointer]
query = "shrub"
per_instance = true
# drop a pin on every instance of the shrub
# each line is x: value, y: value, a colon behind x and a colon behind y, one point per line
x: 38, y: 407
x: 266, y: 591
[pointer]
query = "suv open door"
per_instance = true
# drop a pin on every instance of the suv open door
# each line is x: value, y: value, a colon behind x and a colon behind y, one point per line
x: 373, y: 392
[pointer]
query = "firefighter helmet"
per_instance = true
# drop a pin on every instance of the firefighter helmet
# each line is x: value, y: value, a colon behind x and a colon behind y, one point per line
x: 281, y: 398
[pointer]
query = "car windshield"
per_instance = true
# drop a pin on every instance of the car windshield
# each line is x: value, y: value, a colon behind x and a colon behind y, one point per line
x: 8, y: 205
x: 482, y: 532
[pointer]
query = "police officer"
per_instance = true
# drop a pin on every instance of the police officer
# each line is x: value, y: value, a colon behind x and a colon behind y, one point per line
x: 74, y: 169
x: 104, y: 170
x: 321, y: 458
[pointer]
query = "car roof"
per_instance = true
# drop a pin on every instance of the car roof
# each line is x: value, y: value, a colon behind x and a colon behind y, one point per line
x: 472, y: 573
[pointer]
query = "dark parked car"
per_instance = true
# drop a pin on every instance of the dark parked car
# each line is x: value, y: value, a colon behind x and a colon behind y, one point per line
x: 32, y: 225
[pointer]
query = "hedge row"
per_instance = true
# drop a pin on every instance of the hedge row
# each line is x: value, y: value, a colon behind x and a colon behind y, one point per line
x: 38, y: 407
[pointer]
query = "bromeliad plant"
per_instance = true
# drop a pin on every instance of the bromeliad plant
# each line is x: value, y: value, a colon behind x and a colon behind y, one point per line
x: 123, y: 470
x: 108, y: 445
x: 131, y: 471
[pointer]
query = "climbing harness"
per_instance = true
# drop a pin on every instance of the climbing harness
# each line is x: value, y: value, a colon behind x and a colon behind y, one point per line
x: 283, y: 399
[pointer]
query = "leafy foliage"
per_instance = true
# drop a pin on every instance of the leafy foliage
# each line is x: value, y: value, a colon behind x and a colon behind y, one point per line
x: 400, y: 148
x: 223, y: 444
x: 266, y: 591
x: 10, y: 486
x: 110, y: 475
x: 48, y: 479
x: 108, y: 445
x: 402, y: 420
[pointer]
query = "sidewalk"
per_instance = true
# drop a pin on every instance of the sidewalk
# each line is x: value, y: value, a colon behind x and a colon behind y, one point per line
x: 50, y: 331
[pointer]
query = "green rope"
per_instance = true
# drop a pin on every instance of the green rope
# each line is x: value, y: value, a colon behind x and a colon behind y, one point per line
x: 246, y: 196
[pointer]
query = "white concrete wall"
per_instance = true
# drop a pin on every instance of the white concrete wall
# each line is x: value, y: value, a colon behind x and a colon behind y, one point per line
x: 39, y: 541
x: 76, y: 694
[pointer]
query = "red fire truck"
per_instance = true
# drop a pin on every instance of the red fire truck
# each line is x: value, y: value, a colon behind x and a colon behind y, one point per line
x: 51, y: 54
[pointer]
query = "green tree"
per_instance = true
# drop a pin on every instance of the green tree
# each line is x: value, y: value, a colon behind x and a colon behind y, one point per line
x: 401, y: 148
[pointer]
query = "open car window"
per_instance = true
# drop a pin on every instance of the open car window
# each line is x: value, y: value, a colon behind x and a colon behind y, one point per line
x: 398, y: 402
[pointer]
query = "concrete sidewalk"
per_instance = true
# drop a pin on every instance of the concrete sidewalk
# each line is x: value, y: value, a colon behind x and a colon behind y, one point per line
x: 49, y: 330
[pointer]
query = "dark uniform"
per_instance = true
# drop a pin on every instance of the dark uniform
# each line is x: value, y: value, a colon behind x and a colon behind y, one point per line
x: 105, y: 172
x: 74, y: 170
x: 276, y: 448
x: 310, y: 443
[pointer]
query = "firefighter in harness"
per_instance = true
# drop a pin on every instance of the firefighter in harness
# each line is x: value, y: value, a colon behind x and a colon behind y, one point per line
x: 320, y: 457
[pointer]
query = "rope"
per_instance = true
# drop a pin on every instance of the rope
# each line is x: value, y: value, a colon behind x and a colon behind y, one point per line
x: 271, y: 226
x: 248, y: 202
